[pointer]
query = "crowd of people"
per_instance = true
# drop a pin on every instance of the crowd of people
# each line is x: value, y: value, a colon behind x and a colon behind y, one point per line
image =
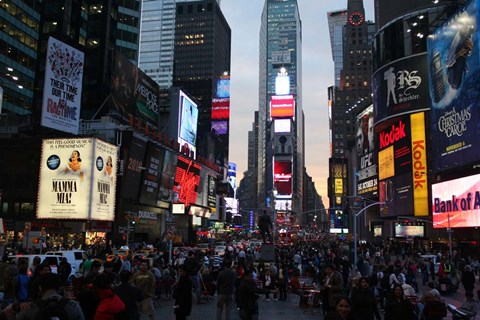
x: 381, y: 285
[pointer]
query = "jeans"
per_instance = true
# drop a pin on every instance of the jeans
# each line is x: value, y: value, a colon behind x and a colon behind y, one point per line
x: 196, y: 286
x: 224, y: 301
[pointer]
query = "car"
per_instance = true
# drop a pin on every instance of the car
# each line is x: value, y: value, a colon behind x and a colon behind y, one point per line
x: 220, y: 250
x: 205, y: 247
x: 74, y: 257
x: 122, y: 254
x: 53, y: 261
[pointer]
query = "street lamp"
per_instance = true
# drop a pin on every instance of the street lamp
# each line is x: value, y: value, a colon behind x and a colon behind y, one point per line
x: 355, y: 228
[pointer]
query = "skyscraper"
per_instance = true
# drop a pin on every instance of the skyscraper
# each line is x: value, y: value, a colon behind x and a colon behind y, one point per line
x: 281, y: 133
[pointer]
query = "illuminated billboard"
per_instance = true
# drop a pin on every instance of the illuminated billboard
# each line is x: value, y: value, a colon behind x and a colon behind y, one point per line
x: 151, y: 175
x: 221, y: 109
x: 282, y: 106
x: 401, y: 87
x: 167, y: 176
x: 187, y: 179
x: 453, y: 54
x: 367, y: 179
x: 133, y: 154
x: 77, y: 179
x: 282, y: 126
x: 133, y: 92
x: 187, y: 123
x: 402, y: 167
x: 282, y: 85
x: 62, y: 90
x: 282, y: 177
x: 223, y: 87
x: 220, y: 127
x: 232, y: 175
x: 409, y: 229
x: 456, y: 203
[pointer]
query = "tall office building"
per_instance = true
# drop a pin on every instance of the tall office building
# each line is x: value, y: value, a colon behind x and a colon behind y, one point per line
x: 157, y: 40
x: 281, y: 132
x: 336, y: 27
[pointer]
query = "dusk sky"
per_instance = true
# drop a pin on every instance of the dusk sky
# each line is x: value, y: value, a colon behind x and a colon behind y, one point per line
x: 243, y: 16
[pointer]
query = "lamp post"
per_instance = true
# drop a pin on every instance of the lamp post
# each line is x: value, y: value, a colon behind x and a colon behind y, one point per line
x: 355, y: 228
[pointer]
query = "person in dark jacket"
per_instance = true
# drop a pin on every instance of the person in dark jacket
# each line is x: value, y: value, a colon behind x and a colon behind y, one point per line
x: 110, y: 304
x: 342, y: 310
x: 64, y: 270
x: 364, y: 304
x: 468, y: 279
x: 130, y: 296
x: 225, y: 286
x: 247, y: 296
x: 183, y: 294
x: 397, y: 307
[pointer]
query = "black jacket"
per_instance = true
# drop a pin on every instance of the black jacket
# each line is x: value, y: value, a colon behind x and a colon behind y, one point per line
x: 247, y: 295
x: 363, y: 304
x: 183, y: 296
x: 399, y: 310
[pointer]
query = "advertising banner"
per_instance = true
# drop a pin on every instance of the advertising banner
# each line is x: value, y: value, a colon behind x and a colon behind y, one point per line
x: 221, y: 109
x: 211, y: 193
x: 456, y: 203
x: 282, y: 85
x: 133, y: 92
x: 282, y: 106
x: 62, y: 91
x: 401, y: 87
x: 133, y: 156
x: 187, y: 179
x: 419, y: 165
x: 282, y: 177
x: 367, y: 179
x: 410, y: 229
x: 232, y: 175
x: 151, y: 175
x: 77, y: 179
x: 188, y: 120
x: 223, y: 87
x: 454, y: 76
x: 168, y: 175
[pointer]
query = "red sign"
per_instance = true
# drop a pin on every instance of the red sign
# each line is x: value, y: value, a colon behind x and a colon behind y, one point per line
x: 282, y: 177
x: 187, y: 179
x: 282, y: 106
x: 221, y: 108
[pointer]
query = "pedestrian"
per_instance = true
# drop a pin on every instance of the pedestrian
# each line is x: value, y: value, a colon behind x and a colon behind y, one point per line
x: 468, y: 279
x: 225, y: 285
x: 282, y: 281
x: 397, y: 307
x: 64, y: 270
x: 364, y: 303
x: 110, y: 306
x: 182, y: 293
x: 130, y: 295
x: 467, y: 310
x: 193, y: 268
x: 144, y: 280
x: 431, y: 307
x: 247, y: 296
x: 51, y: 303
x: 269, y: 281
x: 342, y: 310
x: 332, y: 287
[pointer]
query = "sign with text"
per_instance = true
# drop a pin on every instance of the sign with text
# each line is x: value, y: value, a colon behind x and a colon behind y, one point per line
x: 151, y: 175
x: 187, y: 179
x: 367, y: 179
x: 77, y: 179
x: 62, y: 91
x: 282, y: 106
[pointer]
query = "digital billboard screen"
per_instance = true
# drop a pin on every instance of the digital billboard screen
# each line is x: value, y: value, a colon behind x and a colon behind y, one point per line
x: 282, y: 126
x: 220, y: 127
x: 282, y: 177
x: 456, y: 203
x: 401, y: 87
x: 282, y: 85
x: 151, y: 175
x: 188, y: 120
x: 232, y: 175
x: 133, y: 154
x: 62, y: 92
x: 453, y: 55
x: 367, y: 179
x: 167, y: 178
x: 223, y: 87
x: 282, y: 106
x: 77, y: 179
x: 187, y: 180
x: 221, y: 109
x: 133, y: 92
x: 409, y: 230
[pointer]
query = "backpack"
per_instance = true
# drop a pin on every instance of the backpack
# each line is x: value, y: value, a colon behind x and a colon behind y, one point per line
x: 52, y: 309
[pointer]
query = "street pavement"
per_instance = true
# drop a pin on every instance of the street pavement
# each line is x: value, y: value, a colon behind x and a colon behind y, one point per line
x: 277, y: 309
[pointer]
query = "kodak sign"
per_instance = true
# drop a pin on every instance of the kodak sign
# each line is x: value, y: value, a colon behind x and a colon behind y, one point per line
x: 419, y: 165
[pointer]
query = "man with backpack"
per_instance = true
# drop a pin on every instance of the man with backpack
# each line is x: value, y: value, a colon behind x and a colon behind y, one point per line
x: 51, y: 305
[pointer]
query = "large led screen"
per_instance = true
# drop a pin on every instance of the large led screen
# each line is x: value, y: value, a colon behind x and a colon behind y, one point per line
x: 220, y: 127
x: 221, y: 109
x: 77, y: 179
x: 282, y: 85
x: 454, y: 77
x: 223, y: 87
x: 282, y: 106
x: 407, y: 230
x: 367, y: 179
x: 282, y: 177
x: 168, y: 175
x: 133, y: 154
x: 187, y: 179
x: 188, y: 120
x: 62, y: 91
x: 401, y: 87
x: 282, y: 126
x: 133, y: 92
x: 456, y: 203
x: 232, y: 175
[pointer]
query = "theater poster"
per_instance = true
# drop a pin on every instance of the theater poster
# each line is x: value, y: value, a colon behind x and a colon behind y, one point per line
x: 77, y: 179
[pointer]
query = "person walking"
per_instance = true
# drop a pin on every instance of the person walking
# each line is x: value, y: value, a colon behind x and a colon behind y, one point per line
x: 342, y: 310
x: 225, y: 285
x: 332, y: 287
x: 397, y: 307
x: 110, y: 306
x: 182, y: 293
x: 192, y: 266
x: 364, y: 303
x: 247, y: 296
x: 130, y: 295
x: 468, y: 279
x: 144, y: 280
